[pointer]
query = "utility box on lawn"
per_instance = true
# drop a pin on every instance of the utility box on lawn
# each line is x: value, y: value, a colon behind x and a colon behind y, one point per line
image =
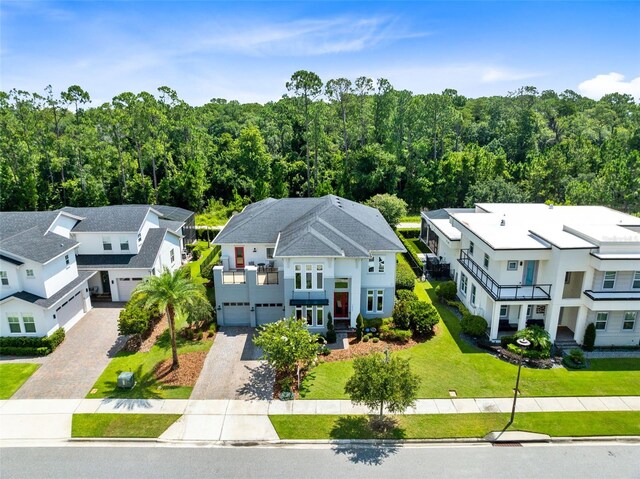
x: 126, y: 380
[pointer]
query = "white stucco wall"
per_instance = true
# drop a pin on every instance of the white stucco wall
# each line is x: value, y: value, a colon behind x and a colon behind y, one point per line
x: 91, y: 243
x: 58, y: 274
x: 62, y: 225
x: 259, y: 256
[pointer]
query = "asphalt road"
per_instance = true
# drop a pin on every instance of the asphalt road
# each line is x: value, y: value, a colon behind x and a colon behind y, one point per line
x: 97, y: 461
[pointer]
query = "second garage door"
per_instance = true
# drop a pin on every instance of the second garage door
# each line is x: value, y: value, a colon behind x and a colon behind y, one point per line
x: 236, y: 314
x: 126, y: 287
x: 70, y: 311
x: 268, y: 313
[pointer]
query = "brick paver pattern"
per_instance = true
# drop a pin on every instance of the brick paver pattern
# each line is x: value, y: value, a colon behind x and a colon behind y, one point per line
x: 72, y: 369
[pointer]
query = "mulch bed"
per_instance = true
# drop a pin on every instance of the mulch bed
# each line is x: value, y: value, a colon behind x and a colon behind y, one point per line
x: 360, y: 348
x: 188, y: 372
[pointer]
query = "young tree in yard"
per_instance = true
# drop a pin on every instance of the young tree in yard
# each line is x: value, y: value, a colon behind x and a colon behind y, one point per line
x: 170, y: 293
x: 380, y: 381
x: 288, y: 346
x: 391, y: 207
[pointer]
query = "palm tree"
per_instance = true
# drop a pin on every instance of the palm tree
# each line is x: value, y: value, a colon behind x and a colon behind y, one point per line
x: 169, y: 294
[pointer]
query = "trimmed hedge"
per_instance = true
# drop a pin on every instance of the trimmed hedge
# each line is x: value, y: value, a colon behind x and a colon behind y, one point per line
x: 446, y: 291
x: 399, y: 335
x: 406, y: 295
x: 30, y: 346
x: 405, y: 279
x: 473, y: 325
x: 424, y: 316
x: 589, y: 337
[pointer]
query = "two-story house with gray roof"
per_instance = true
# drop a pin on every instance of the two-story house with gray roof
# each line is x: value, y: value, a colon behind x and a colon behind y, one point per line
x: 305, y: 257
x: 53, y: 262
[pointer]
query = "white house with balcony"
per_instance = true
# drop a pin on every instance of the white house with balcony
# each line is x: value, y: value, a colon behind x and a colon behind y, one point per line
x: 561, y: 267
x: 305, y: 257
x: 53, y: 262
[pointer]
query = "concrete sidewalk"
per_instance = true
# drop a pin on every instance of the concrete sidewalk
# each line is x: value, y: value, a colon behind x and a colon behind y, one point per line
x: 215, y: 420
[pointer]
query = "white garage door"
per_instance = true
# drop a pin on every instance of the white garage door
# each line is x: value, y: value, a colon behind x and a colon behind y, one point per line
x: 126, y: 286
x: 70, y: 312
x: 268, y: 313
x: 236, y: 314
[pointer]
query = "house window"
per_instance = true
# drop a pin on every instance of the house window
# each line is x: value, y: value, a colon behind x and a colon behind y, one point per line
x: 380, y: 301
x: 139, y: 237
x: 375, y: 301
x: 298, y: 312
x: 308, y: 283
x: 372, y: 264
x: 529, y: 311
x: 567, y: 277
x: 471, y: 248
x: 473, y: 294
x: 609, y: 280
x: 463, y: 283
x: 270, y: 253
x: 30, y: 274
x: 635, y: 284
x: 124, y: 244
x: 313, y: 315
x: 313, y: 276
x: 106, y: 243
x: 298, y: 276
x: 504, y: 311
x: 4, y: 279
x: 172, y: 256
x: 486, y: 260
x: 29, y: 324
x: 319, y: 316
x: 66, y: 259
x: 629, y: 322
x: 309, y: 315
x: 380, y: 264
x: 14, y: 324
x: 512, y: 266
x: 601, y: 321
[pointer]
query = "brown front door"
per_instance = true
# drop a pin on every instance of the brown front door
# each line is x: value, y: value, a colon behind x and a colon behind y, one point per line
x: 239, y: 257
x: 341, y: 305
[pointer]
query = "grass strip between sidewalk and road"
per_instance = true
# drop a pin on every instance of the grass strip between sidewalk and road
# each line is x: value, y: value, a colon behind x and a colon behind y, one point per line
x: 13, y: 376
x: 121, y: 425
x: 448, y: 426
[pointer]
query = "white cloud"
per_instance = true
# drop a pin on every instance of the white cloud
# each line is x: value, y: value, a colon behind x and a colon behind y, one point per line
x: 612, y: 82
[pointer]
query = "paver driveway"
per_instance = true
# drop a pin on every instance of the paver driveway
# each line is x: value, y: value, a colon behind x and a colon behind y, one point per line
x: 232, y: 369
x: 72, y: 369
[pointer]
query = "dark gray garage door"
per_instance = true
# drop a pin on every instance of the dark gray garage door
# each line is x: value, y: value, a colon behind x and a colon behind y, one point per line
x: 236, y: 314
x: 268, y: 313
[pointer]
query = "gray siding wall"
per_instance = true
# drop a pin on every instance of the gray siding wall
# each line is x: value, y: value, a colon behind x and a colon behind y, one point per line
x: 624, y: 281
x: 614, y: 335
x: 389, y: 298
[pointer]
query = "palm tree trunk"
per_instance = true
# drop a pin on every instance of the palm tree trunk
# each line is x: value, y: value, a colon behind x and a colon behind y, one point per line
x: 172, y: 331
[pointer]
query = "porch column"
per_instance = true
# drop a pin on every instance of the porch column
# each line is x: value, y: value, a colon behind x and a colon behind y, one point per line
x: 551, y: 319
x: 522, y: 317
x: 581, y: 324
x: 495, y: 322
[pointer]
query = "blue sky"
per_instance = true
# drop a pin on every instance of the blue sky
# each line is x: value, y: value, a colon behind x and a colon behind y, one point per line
x: 247, y: 51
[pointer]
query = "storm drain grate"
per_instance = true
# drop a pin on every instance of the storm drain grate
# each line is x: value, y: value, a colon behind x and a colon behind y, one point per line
x: 506, y: 444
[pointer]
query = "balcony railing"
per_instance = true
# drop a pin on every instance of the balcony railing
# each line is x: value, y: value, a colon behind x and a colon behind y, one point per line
x: 300, y: 298
x: 267, y: 278
x: 501, y: 292
x: 612, y: 295
x: 234, y: 277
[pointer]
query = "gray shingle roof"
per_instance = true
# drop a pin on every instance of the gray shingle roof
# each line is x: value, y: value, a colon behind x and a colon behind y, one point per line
x: 24, y: 234
x: 174, y: 226
x: 143, y: 260
x: 173, y: 212
x: 116, y: 218
x: 327, y: 226
x: 48, y: 302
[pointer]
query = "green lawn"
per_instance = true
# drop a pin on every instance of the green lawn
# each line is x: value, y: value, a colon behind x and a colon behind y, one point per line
x: 440, y: 426
x: 142, y: 364
x: 410, y: 219
x: 13, y: 375
x: 121, y: 425
x: 447, y: 363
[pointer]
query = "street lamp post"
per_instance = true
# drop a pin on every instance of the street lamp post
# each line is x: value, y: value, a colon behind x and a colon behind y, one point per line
x: 523, y: 344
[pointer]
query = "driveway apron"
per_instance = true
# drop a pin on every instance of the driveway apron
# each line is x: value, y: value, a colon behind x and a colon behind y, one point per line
x: 72, y: 369
x: 233, y: 370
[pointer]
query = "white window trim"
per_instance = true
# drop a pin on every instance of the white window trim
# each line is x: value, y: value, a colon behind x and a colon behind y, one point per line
x: 515, y: 263
x: 139, y: 237
x: 605, y: 321
x: 634, y: 278
x: 106, y: 240
x: 604, y: 279
x: 301, y: 269
x: 30, y: 276
x: 375, y: 295
x: 4, y: 278
x: 172, y: 255
x: 471, y: 248
x: 506, y: 313
x: 634, y: 321
x: 270, y: 256
x: 486, y: 260
x: 464, y: 284
x: 126, y: 241
x: 18, y: 322
x: 67, y: 260
x: 376, y: 264
x: 314, y: 310
x: 24, y: 324
x: 474, y: 294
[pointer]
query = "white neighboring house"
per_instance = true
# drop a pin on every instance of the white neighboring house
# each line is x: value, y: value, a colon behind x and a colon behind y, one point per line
x: 52, y: 262
x: 305, y: 257
x: 561, y: 267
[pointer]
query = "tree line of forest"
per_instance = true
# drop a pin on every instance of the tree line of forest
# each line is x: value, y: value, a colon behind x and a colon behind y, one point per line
x: 352, y: 138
